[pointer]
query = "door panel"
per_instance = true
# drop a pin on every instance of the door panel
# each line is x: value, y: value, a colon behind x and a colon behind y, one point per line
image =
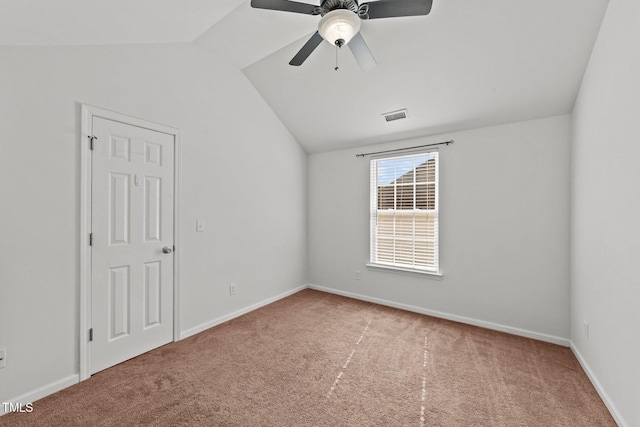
x: 153, y: 212
x: 119, y: 302
x: 152, y: 294
x: 132, y: 221
x: 119, y: 212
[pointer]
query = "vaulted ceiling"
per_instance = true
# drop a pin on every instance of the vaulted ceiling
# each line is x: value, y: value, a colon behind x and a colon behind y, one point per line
x: 467, y: 64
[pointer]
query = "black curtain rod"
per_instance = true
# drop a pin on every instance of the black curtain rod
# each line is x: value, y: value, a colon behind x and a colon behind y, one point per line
x: 403, y: 149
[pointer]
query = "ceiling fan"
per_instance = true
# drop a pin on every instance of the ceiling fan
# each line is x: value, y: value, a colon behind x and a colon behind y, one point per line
x: 340, y: 22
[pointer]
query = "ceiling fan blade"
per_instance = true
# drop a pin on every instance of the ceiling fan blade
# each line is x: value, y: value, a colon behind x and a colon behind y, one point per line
x: 306, y: 50
x: 362, y: 53
x: 395, y: 8
x: 285, y: 5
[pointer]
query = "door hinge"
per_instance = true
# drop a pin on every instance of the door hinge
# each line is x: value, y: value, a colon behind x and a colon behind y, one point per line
x: 91, y: 334
x: 90, y: 239
x: 92, y: 139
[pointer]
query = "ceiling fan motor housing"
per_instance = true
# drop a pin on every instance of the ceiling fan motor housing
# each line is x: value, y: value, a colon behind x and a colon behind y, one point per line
x: 329, y: 5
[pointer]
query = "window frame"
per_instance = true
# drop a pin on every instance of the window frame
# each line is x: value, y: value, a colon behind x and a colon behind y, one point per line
x: 374, y: 261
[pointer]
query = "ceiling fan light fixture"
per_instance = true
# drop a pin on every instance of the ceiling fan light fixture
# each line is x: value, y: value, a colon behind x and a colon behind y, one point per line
x: 339, y: 24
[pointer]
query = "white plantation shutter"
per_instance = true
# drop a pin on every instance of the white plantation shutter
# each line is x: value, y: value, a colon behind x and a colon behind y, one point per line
x: 404, y: 211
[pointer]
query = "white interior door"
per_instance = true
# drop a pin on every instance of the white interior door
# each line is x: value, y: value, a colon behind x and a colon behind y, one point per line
x: 132, y: 205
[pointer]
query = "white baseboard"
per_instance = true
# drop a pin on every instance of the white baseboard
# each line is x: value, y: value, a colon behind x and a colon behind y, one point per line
x: 454, y: 317
x: 43, y: 391
x: 617, y: 417
x: 215, y: 322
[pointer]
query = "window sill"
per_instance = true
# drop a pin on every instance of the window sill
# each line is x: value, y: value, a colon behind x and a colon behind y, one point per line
x: 410, y: 271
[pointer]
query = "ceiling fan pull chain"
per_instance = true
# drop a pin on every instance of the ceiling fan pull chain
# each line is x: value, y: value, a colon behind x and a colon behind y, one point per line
x: 337, y: 68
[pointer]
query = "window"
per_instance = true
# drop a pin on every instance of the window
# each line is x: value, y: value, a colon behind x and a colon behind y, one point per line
x: 404, y: 212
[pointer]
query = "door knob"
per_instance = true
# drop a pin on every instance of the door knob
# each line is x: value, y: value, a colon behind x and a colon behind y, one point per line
x: 167, y: 250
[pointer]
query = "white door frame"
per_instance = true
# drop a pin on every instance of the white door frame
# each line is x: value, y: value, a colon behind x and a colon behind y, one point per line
x: 88, y: 113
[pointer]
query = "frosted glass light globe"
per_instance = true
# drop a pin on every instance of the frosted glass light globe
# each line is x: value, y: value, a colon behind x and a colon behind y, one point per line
x: 339, y: 24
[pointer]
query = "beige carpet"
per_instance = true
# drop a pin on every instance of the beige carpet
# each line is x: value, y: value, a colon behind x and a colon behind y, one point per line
x: 316, y: 359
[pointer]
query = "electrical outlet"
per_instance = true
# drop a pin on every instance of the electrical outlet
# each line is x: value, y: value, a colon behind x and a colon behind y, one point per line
x: 586, y: 330
x: 232, y: 289
x: 3, y: 357
x: 357, y: 274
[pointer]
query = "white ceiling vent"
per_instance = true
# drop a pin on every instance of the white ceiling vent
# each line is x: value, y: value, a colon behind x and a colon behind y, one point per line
x: 396, y: 115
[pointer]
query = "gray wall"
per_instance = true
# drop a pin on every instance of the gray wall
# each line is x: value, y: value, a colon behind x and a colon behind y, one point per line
x: 605, y: 220
x: 243, y: 174
x: 504, y: 229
